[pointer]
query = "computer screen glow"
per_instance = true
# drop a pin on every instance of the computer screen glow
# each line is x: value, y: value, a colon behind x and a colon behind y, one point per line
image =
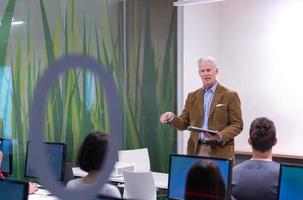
x: 179, y: 167
x: 291, y: 182
x: 11, y: 189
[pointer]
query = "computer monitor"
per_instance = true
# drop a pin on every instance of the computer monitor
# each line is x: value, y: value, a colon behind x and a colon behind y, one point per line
x: 12, y: 189
x: 56, y: 156
x: 290, y: 182
x: 180, y: 165
x: 7, y: 150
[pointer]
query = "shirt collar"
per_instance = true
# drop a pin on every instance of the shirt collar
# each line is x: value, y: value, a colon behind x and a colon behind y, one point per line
x: 262, y: 159
x: 212, y: 88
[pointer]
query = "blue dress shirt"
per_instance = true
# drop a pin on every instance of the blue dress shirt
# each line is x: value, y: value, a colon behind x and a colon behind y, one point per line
x: 208, y: 96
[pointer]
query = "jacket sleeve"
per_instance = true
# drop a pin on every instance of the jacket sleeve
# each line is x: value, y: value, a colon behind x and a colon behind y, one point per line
x: 235, y: 122
x: 183, y: 121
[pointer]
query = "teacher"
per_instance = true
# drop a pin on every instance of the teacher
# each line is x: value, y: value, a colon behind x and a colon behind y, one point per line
x: 212, y: 107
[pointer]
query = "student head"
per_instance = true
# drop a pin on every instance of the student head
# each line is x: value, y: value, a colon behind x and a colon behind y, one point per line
x: 205, y: 182
x: 92, y: 151
x: 262, y: 134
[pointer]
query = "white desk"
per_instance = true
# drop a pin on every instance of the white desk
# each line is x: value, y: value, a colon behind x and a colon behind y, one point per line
x: 79, y: 172
x: 161, y: 179
x: 41, y: 194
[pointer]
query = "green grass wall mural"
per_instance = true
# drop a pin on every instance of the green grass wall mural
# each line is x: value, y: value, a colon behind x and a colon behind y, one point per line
x: 126, y: 38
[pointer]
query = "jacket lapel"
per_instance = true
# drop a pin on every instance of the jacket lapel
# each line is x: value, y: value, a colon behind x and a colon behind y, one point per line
x: 216, y: 98
x: 200, y: 100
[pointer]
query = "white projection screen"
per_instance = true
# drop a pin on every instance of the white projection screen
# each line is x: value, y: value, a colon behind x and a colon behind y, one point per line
x: 258, y: 45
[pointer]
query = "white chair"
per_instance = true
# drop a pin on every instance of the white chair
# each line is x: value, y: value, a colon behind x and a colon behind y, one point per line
x: 139, y: 157
x: 139, y: 185
x: 68, y: 173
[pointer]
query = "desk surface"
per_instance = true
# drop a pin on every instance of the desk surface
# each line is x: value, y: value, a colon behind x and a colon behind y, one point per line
x: 161, y: 179
x: 41, y: 194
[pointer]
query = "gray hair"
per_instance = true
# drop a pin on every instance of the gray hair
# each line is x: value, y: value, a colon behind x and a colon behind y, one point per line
x: 207, y: 59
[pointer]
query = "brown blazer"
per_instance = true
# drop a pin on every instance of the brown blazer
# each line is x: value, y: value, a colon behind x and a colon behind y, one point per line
x: 224, y: 116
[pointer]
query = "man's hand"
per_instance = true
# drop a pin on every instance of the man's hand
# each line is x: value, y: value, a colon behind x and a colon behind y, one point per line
x: 209, y: 137
x: 32, y: 187
x: 167, y: 117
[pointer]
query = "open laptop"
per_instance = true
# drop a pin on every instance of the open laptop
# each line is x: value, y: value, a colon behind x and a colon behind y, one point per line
x: 179, y: 166
x: 13, y: 189
x: 290, y: 182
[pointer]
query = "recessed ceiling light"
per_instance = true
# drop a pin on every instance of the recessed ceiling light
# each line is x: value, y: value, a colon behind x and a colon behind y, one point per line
x: 193, y: 2
x: 15, y: 22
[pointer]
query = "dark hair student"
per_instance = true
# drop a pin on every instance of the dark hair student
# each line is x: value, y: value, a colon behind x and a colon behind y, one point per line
x: 205, y: 182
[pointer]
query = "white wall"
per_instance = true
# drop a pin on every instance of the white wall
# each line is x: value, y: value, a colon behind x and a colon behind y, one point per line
x: 200, y: 37
x: 258, y: 46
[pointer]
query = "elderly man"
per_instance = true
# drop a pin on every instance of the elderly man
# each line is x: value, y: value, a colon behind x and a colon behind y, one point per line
x: 212, y: 107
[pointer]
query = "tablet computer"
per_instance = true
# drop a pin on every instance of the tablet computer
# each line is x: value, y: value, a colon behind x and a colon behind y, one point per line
x: 197, y: 129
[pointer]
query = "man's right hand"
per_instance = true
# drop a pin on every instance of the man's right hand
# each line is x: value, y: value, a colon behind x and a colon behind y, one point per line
x: 32, y: 187
x: 167, y: 117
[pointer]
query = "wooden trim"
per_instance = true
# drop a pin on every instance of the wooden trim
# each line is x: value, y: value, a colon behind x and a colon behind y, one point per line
x: 274, y: 155
x: 288, y: 156
x: 243, y: 153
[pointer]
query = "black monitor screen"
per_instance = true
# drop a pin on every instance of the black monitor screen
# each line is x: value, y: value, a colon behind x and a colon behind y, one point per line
x: 100, y: 196
x: 179, y: 167
x: 55, y: 153
x: 11, y: 189
x: 291, y: 182
x: 7, y: 149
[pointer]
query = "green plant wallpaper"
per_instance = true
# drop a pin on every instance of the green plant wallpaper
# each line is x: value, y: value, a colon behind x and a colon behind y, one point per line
x: 134, y: 39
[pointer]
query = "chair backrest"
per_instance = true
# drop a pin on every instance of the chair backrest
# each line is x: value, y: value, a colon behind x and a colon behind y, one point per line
x: 139, y: 157
x: 139, y: 185
x: 68, y: 173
